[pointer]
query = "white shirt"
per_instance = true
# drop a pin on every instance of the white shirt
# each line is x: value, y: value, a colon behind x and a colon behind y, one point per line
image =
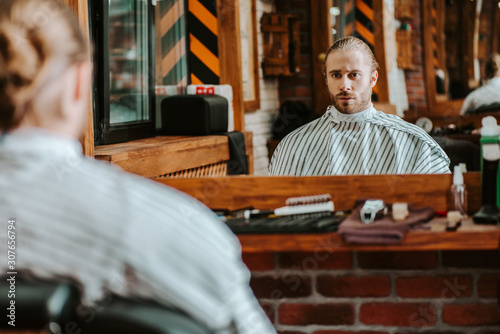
x: 485, y: 95
x: 113, y: 231
x: 368, y: 142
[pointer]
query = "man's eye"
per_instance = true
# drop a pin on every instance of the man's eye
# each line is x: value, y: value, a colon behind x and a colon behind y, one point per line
x: 336, y: 75
x: 354, y: 75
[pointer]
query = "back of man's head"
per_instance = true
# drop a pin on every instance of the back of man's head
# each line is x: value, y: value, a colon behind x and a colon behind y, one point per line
x: 492, y: 66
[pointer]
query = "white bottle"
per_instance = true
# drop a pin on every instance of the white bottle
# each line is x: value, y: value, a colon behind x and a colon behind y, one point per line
x: 459, y: 192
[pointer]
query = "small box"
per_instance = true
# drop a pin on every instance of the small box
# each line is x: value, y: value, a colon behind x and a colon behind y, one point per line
x: 194, y: 114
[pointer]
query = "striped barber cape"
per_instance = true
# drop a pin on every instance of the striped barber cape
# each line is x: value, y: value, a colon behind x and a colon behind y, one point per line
x: 368, y: 142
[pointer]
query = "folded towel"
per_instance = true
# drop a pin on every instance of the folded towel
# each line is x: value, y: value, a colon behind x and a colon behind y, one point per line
x: 384, y: 230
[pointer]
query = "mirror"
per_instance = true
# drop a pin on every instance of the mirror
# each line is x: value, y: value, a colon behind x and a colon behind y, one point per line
x: 462, y: 36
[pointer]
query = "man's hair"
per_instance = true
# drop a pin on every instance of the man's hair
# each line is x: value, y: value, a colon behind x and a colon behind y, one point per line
x: 39, y: 41
x: 351, y: 43
x: 492, y: 66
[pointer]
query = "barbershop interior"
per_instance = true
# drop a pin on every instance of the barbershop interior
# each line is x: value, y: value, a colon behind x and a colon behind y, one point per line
x: 244, y: 106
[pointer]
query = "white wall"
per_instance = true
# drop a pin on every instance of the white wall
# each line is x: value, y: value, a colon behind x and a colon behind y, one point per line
x: 395, y: 75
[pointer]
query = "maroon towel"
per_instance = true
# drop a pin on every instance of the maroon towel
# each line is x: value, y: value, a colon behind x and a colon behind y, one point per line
x: 384, y: 230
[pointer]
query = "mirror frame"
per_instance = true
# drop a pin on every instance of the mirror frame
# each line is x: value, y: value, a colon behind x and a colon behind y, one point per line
x: 435, y: 107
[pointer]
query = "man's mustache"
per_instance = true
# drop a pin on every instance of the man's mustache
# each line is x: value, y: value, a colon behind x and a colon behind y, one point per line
x: 344, y: 94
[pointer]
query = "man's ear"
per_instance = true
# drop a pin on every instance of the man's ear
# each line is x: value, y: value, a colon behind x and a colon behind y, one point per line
x: 83, y: 76
x: 76, y: 87
x: 374, y: 78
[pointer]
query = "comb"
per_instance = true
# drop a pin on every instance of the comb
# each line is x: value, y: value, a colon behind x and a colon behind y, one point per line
x: 306, y: 204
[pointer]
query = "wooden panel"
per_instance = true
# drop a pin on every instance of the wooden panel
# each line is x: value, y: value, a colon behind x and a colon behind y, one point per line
x: 152, y: 157
x: 230, y: 55
x: 404, y: 44
x: 430, y: 82
x: 87, y: 139
x: 323, y: 39
x: 80, y: 9
x: 249, y: 151
x: 271, y: 192
x: 380, y: 20
x: 476, y: 237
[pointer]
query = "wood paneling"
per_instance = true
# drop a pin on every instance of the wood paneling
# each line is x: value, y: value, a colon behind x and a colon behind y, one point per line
x: 474, y: 237
x: 271, y: 192
x: 230, y: 55
x: 380, y: 20
x: 80, y: 9
x: 320, y: 43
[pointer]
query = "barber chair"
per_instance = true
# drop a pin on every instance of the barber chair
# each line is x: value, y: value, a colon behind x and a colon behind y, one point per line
x: 51, y: 307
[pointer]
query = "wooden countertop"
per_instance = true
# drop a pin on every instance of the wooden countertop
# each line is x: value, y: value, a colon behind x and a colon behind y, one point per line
x: 468, y: 237
x: 419, y: 190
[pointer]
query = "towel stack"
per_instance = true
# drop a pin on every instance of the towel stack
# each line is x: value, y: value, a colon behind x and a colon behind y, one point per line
x: 384, y: 230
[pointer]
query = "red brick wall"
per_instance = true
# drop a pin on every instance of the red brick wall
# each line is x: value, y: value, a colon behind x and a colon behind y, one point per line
x: 379, y: 292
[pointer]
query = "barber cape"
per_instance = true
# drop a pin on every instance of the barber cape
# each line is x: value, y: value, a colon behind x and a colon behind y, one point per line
x: 486, y: 96
x: 368, y: 142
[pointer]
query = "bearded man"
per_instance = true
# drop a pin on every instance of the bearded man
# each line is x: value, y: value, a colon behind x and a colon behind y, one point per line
x: 352, y: 137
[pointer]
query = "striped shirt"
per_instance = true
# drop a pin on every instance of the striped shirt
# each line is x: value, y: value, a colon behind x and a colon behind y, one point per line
x: 111, y: 231
x: 368, y: 142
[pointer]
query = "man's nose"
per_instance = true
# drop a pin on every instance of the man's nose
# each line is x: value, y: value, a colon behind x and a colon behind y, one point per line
x: 345, y: 84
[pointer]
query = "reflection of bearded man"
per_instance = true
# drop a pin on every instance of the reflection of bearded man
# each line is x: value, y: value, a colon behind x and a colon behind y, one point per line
x: 352, y: 137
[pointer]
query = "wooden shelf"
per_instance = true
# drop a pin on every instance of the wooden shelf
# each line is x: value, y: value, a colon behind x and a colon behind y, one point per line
x: 419, y: 190
x: 467, y: 237
x: 158, y: 156
x: 162, y: 155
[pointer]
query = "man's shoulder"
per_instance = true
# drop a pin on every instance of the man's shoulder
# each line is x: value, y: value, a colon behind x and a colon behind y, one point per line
x: 308, y: 128
x: 111, y: 180
x: 396, y: 123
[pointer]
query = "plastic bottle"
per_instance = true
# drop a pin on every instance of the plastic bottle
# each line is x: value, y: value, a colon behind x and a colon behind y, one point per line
x: 490, y: 178
x: 459, y: 192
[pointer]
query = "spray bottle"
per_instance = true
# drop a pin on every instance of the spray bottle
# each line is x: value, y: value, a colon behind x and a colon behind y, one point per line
x: 490, y: 178
x: 459, y: 192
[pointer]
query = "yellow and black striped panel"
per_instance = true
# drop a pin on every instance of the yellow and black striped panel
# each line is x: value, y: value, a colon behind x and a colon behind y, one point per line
x: 364, y: 27
x: 357, y: 20
x: 203, y: 42
x: 364, y: 22
x: 349, y: 18
x: 435, y: 54
x: 173, y: 42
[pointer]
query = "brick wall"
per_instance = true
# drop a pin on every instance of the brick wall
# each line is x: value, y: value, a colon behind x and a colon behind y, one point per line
x: 448, y: 292
x: 415, y: 86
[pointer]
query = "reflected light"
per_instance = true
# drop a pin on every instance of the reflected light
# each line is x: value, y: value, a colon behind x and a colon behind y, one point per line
x: 334, y: 11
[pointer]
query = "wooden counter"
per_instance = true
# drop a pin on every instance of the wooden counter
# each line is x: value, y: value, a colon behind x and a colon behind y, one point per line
x: 419, y: 190
x: 468, y: 237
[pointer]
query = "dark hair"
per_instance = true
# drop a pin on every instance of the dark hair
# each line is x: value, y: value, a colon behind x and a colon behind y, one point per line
x: 351, y: 43
x: 492, y: 66
x: 39, y: 40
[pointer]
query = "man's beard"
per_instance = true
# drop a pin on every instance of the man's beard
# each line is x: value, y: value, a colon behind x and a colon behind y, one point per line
x: 360, y: 103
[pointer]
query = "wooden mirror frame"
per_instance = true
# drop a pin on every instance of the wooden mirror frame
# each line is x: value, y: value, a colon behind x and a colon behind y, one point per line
x: 321, y: 29
x: 444, y: 108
